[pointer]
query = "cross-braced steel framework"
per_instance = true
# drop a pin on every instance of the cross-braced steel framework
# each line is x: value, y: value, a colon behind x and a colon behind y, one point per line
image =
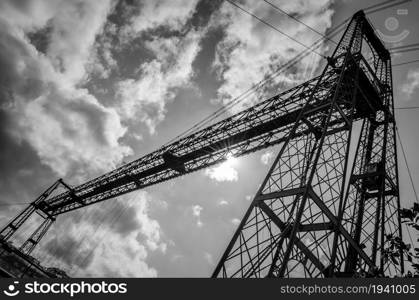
x: 309, y: 218
x: 314, y: 215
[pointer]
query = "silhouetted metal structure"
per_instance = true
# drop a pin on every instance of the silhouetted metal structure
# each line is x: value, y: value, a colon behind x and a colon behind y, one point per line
x: 313, y: 216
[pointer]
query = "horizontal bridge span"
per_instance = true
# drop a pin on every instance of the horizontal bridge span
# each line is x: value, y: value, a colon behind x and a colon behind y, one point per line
x: 263, y: 125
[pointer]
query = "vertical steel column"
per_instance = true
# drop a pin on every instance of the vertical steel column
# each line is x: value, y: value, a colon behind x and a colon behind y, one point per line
x: 301, y: 222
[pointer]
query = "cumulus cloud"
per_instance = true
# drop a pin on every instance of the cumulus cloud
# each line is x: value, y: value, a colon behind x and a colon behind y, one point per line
x: 71, y: 131
x: 222, y: 202
x: 235, y: 221
x: 254, y: 47
x: 224, y: 172
x: 172, y: 14
x: 150, y: 232
x: 50, y: 52
x: 102, y: 61
x: 196, y: 213
x: 411, y: 84
x: 75, y: 26
x: 145, y: 97
x: 266, y: 157
x: 130, y: 234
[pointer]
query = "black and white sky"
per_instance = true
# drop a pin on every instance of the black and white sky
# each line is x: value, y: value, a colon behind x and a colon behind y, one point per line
x: 88, y: 85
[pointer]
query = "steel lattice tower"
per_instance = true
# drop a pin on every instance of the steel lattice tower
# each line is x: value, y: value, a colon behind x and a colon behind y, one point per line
x: 329, y: 205
x: 309, y: 219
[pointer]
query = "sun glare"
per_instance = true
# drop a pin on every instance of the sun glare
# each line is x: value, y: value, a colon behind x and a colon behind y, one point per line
x: 231, y: 160
x: 224, y: 171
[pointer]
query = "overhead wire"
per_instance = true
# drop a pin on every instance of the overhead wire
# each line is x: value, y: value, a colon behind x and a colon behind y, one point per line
x: 273, y: 27
x: 399, y: 50
x: 299, y: 21
x: 50, y: 255
x: 410, y: 236
x: 315, y: 44
x: 53, y: 251
x: 240, y: 98
x: 53, y: 254
x: 404, y: 50
x: 407, y: 107
x: 405, y: 63
x: 404, y: 46
x: 307, y: 51
x: 111, y: 224
x: 254, y: 88
x: 336, y: 30
x: 407, y: 165
x: 309, y: 68
x: 91, y: 235
x: 385, y: 7
x: 411, y: 180
x: 378, y: 4
x: 284, y: 67
x: 287, y: 65
x: 15, y: 204
x: 304, y: 53
x: 80, y: 238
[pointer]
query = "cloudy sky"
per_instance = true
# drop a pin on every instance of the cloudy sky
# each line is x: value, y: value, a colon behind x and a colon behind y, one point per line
x: 88, y: 85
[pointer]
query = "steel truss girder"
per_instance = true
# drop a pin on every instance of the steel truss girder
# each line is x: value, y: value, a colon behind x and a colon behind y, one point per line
x: 256, y: 128
x: 29, y: 245
x: 300, y: 222
x: 13, y: 226
x: 297, y: 187
x: 10, y: 229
